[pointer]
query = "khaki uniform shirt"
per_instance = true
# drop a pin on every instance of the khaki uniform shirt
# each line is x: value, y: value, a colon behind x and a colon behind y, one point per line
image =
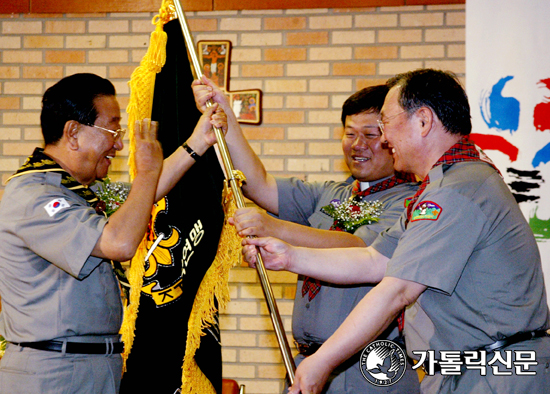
x: 469, y: 243
x: 316, y: 320
x: 50, y: 285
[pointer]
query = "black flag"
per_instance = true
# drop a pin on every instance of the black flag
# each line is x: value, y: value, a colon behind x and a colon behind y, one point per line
x: 191, y: 220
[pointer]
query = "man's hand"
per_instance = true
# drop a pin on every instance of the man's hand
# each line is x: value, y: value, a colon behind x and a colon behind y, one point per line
x: 148, y: 152
x: 310, y: 377
x: 276, y: 254
x: 203, y: 136
x: 254, y: 221
x: 120, y: 239
x: 204, y: 89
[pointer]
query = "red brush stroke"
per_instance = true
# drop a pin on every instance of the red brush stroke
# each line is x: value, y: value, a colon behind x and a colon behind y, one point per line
x: 495, y: 142
x: 541, y: 114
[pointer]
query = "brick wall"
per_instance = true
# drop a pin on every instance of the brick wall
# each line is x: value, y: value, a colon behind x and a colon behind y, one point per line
x: 306, y: 62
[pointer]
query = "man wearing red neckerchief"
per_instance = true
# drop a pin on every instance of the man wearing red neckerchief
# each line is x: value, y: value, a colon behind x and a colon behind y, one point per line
x: 462, y: 259
x: 319, y: 308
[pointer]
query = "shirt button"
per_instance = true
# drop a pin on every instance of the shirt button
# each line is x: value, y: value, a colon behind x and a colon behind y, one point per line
x: 307, y: 305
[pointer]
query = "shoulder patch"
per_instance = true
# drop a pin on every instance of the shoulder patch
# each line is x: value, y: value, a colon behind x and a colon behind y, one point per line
x: 55, y: 206
x: 426, y: 210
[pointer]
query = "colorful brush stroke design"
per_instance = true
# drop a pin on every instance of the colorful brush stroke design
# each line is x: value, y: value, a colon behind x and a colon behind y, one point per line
x: 502, y: 114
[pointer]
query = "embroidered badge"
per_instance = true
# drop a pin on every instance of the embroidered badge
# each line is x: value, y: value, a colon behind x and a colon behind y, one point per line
x: 56, y: 205
x: 426, y: 210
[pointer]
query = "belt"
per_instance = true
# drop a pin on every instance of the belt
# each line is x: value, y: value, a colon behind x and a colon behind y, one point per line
x: 107, y: 348
x: 307, y: 349
x: 508, y: 341
x: 516, y: 338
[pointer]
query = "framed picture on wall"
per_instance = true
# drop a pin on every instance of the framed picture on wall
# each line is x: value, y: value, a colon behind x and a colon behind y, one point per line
x: 214, y: 58
x: 247, y: 105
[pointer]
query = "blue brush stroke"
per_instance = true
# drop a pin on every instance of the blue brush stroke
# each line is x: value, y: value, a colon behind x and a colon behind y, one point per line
x: 542, y: 156
x: 498, y: 112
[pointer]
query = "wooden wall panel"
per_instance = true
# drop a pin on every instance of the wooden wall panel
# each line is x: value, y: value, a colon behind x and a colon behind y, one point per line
x: 15, y: 6
x: 433, y: 2
x: 299, y: 4
x: 79, y: 6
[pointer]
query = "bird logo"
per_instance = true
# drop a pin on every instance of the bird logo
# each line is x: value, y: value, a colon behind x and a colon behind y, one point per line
x: 389, y: 366
x: 383, y: 363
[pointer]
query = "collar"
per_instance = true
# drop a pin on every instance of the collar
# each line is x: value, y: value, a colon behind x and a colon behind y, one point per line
x: 39, y: 162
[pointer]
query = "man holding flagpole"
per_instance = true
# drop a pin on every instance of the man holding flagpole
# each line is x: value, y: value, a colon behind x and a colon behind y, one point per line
x: 461, y: 259
x: 305, y: 218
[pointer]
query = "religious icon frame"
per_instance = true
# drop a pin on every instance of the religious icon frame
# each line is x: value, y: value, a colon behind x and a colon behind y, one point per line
x: 246, y: 105
x: 222, y: 54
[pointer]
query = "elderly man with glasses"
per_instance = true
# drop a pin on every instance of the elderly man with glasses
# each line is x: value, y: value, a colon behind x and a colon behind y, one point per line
x: 61, y: 303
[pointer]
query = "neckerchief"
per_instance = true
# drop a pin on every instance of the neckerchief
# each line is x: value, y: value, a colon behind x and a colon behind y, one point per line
x: 463, y: 150
x: 312, y: 286
x: 40, y: 162
x: 398, y: 178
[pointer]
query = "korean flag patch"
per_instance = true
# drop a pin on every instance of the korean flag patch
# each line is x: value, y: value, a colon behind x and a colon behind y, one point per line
x: 426, y: 210
x: 56, y: 205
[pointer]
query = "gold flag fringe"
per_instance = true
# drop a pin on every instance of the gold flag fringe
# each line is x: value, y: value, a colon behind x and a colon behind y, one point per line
x: 214, y: 287
x: 135, y: 278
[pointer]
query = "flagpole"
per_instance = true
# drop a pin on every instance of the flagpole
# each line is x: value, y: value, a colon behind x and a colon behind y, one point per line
x: 239, y: 201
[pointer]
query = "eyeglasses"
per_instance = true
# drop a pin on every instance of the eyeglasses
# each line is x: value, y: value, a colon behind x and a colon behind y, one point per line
x: 382, y: 123
x: 116, y: 133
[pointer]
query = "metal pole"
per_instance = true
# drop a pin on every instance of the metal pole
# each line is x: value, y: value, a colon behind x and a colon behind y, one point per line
x: 239, y: 201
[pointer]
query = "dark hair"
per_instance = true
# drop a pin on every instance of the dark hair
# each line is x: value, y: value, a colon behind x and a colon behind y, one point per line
x: 72, y: 98
x: 370, y: 99
x: 439, y: 90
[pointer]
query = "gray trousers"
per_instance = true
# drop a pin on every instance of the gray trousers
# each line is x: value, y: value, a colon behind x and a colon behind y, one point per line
x: 31, y: 371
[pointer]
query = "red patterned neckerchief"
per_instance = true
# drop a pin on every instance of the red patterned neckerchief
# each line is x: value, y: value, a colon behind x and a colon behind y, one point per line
x: 463, y: 150
x: 397, y: 179
x: 312, y: 286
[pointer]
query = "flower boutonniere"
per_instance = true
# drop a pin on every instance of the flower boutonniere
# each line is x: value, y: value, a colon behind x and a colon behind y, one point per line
x: 3, y: 344
x: 112, y: 195
x: 350, y: 215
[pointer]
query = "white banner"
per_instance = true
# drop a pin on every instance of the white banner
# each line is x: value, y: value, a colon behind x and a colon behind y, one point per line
x: 508, y: 85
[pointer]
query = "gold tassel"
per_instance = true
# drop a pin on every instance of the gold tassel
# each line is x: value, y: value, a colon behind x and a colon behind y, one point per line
x: 142, y: 86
